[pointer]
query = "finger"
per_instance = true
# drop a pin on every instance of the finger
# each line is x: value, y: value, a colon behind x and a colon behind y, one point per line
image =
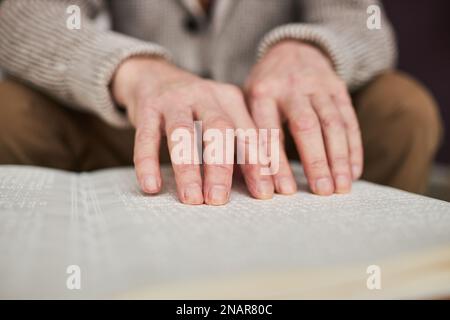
x: 146, y: 150
x: 259, y: 185
x: 353, y: 132
x: 218, y: 172
x: 179, y: 126
x: 306, y: 131
x: 335, y: 138
x: 266, y: 116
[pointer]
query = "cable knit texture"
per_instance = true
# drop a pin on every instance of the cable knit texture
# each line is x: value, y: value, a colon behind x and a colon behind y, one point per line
x: 76, y: 66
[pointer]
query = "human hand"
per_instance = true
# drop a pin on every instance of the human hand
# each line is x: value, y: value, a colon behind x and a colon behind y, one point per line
x: 161, y: 98
x: 296, y: 81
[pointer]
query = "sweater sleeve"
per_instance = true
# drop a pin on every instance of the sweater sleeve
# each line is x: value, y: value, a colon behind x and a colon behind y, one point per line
x: 73, y: 66
x: 339, y: 28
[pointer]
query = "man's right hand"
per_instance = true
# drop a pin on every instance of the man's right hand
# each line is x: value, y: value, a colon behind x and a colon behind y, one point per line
x: 160, y: 98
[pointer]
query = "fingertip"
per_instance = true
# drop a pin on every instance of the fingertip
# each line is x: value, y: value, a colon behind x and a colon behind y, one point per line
x: 260, y: 186
x: 264, y: 190
x: 151, y: 184
x: 323, y: 187
x: 192, y: 194
x: 285, y: 185
x: 217, y: 195
x: 343, y: 183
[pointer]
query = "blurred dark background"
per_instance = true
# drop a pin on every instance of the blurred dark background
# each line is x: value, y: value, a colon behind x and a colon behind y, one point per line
x: 423, y: 34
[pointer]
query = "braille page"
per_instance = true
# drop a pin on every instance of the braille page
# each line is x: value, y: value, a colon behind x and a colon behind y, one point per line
x: 124, y: 241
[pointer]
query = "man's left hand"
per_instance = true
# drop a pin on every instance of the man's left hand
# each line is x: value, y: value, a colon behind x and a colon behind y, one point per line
x: 296, y: 81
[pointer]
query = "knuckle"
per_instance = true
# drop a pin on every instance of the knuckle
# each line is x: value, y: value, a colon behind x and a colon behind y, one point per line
x: 149, y: 104
x: 233, y: 96
x: 145, y: 135
x: 181, y: 125
x: 162, y: 98
x: 332, y: 122
x: 259, y: 90
x: 146, y: 102
x: 340, y: 160
x: 318, y: 164
x: 304, y: 124
x: 219, y: 122
x: 353, y: 127
x: 185, y: 169
x: 221, y: 169
x: 246, y: 137
x: 144, y: 161
x: 343, y: 101
x: 203, y: 86
x: 232, y: 91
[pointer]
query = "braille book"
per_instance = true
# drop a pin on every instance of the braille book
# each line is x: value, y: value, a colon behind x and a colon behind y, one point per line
x: 95, y: 235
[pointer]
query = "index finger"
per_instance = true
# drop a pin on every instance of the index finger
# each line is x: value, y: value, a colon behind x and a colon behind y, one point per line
x: 146, y: 150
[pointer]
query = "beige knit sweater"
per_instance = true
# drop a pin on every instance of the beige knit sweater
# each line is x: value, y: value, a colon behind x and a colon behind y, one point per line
x: 76, y: 66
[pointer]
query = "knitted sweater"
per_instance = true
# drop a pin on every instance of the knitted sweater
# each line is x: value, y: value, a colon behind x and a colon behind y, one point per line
x: 76, y: 65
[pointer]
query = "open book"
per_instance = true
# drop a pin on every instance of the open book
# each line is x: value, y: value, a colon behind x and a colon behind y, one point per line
x: 129, y: 245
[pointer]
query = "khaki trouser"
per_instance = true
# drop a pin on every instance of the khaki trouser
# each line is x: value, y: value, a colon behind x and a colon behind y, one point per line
x: 400, y: 125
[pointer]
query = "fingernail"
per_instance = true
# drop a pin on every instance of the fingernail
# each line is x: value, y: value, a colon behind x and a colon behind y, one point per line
x: 265, y: 189
x: 193, y: 194
x: 285, y: 186
x: 150, y: 183
x: 356, y: 171
x: 324, y: 186
x: 342, y: 183
x: 218, y: 195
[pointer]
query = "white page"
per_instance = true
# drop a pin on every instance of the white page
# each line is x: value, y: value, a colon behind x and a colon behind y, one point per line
x: 125, y: 241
